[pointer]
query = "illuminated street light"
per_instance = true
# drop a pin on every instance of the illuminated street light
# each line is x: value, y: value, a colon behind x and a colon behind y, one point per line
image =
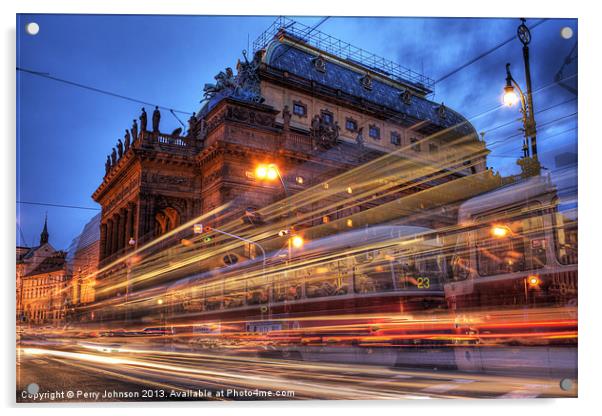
x: 159, y: 301
x: 533, y: 281
x: 510, y: 98
x: 269, y: 172
x: 513, y: 94
x: 500, y: 231
x: 132, y: 242
x: 272, y: 172
x: 297, y: 241
x: 261, y: 171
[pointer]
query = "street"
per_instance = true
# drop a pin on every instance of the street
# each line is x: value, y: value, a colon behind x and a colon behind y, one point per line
x: 70, y: 374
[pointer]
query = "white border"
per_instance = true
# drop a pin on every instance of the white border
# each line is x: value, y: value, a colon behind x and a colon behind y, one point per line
x: 589, y: 184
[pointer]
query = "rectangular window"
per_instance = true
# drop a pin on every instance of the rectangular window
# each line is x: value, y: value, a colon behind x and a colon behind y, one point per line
x: 522, y: 247
x: 415, y: 144
x: 433, y: 148
x: 395, y: 138
x: 565, y: 235
x: 374, y: 132
x: 299, y: 109
x: 351, y: 124
x: 327, y: 117
x: 328, y: 279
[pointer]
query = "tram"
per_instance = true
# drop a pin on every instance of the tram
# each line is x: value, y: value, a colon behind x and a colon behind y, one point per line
x: 513, y: 281
x: 352, y: 292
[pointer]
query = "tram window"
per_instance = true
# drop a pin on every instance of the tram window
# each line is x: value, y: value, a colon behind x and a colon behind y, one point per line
x: 329, y: 279
x: 565, y: 236
x: 460, y: 260
x: 234, y: 293
x: 376, y: 276
x: 288, y: 286
x: 406, y: 273
x: 213, y: 295
x: 257, y: 291
x: 523, y: 248
x: 411, y: 273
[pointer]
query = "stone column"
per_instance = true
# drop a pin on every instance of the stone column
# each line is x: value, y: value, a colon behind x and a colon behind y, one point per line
x: 103, y: 241
x: 141, y: 215
x: 131, y: 217
x: 109, y: 242
x: 114, y: 239
x: 127, y: 234
x: 146, y: 221
x: 121, y: 229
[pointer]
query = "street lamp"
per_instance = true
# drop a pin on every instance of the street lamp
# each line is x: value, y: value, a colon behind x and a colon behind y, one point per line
x: 270, y: 172
x: 529, y: 162
x: 500, y: 231
x: 297, y: 241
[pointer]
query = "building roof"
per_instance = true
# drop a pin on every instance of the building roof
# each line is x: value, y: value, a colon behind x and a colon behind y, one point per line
x: 316, y: 39
x: 52, y: 263
x: 346, y: 77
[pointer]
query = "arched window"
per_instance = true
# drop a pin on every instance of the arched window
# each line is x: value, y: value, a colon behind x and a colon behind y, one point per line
x: 166, y: 220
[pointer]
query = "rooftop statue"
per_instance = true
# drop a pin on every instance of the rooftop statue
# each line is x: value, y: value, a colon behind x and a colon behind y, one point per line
x: 108, y: 165
x: 143, y: 120
x: 134, y: 130
x: 127, y: 139
x: 192, y: 122
x: 156, y: 119
x: 119, y: 148
x: 243, y: 85
x: 113, y: 157
x: 224, y: 81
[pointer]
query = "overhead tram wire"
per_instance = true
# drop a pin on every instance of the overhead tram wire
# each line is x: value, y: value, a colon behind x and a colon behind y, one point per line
x: 100, y: 91
x: 46, y: 204
x: 500, y: 141
x: 536, y: 112
x: 545, y: 138
x: 484, y: 54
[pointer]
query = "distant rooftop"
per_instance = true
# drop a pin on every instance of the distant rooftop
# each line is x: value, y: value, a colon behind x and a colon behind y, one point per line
x: 341, y: 50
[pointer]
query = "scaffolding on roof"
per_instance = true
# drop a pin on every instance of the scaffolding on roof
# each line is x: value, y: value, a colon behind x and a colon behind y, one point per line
x: 342, y: 50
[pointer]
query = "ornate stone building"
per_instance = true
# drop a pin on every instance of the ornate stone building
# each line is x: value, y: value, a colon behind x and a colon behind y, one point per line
x: 42, y: 283
x: 315, y: 110
x: 82, y: 263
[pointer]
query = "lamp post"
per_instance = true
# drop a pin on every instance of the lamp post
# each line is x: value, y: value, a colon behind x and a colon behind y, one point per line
x: 128, y: 271
x: 271, y: 172
x: 199, y: 228
x: 530, y: 161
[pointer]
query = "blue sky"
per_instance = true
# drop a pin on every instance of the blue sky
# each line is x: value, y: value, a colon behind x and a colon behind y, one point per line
x: 64, y: 132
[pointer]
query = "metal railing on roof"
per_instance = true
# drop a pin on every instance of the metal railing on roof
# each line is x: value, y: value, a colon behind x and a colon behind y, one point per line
x: 342, y: 50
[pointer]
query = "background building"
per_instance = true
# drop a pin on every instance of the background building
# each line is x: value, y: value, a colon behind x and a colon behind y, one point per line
x: 315, y: 109
x: 82, y: 262
x: 42, y: 283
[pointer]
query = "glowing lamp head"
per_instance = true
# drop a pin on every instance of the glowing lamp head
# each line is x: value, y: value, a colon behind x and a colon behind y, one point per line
x: 500, y: 231
x: 272, y: 172
x: 159, y: 301
x: 267, y: 172
x: 510, y: 98
x: 261, y: 172
x: 297, y: 241
x: 533, y: 280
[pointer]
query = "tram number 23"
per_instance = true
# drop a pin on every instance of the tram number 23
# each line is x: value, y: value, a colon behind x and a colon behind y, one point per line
x: 423, y: 283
